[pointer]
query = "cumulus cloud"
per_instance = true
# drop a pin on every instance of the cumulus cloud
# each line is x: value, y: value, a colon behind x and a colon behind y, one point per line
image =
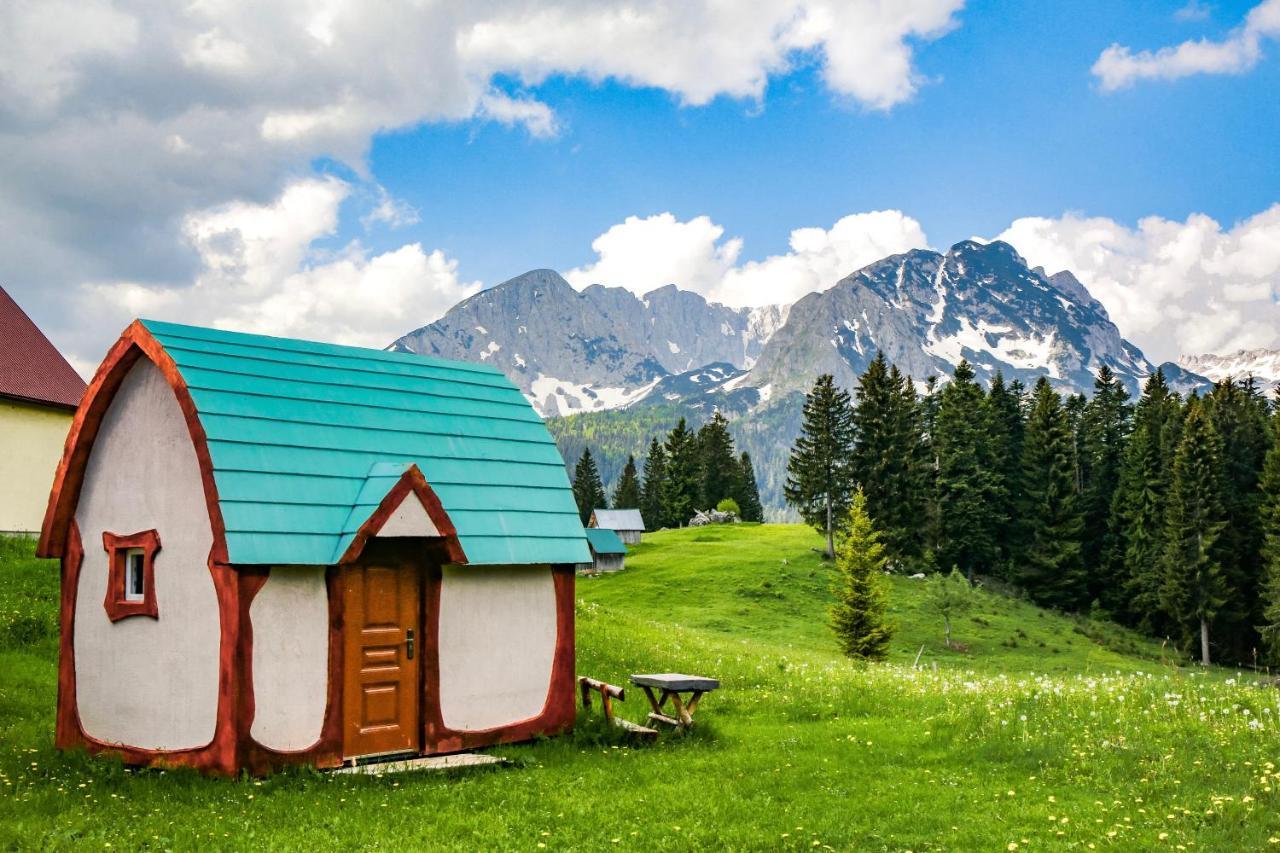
x: 701, y: 50
x: 1172, y: 287
x: 1119, y: 67
x: 821, y: 257
x: 260, y: 273
x: 120, y: 119
x: 641, y: 254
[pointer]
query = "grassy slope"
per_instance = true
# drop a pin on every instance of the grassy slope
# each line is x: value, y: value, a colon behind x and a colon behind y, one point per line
x: 800, y: 748
x: 767, y: 582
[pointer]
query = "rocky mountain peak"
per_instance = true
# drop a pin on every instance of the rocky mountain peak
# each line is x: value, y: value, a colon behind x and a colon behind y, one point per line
x: 594, y: 349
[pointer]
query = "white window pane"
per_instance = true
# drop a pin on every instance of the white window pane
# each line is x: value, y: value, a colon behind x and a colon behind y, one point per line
x: 135, y: 576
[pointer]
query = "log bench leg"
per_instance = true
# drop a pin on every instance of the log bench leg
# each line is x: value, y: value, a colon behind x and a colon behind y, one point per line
x: 682, y: 713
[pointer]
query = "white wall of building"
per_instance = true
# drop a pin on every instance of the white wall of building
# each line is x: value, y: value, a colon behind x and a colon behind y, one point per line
x: 148, y: 683
x: 497, y: 644
x: 409, y: 519
x: 290, y: 617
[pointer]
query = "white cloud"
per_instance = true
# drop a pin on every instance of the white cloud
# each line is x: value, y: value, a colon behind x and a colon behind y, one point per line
x: 121, y: 118
x: 821, y: 257
x: 1172, y: 287
x: 260, y: 273
x: 1119, y: 67
x: 643, y: 254
x: 534, y: 115
x: 705, y: 49
x: 1194, y: 10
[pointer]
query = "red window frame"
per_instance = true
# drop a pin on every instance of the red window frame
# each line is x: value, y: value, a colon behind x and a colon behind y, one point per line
x: 117, y: 605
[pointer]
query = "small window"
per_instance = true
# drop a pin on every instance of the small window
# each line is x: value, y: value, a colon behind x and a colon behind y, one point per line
x: 131, y: 585
x: 134, y: 577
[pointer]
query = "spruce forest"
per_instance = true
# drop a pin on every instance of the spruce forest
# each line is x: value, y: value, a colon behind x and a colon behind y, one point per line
x: 683, y: 472
x: 1163, y: 513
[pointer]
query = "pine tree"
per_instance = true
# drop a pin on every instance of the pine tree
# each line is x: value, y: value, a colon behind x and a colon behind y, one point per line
x: 588, y: 491
x: 1239, y: 414
x: 858, y: 615
x: 718, y: 469
x: 748, y: 492
x: 1269, y: 516
x: 1051, y: 570
x: 1108, y: 420
x: 1194, y: 587
x: 626, y: 495
x: 819, y: 482
x: 887, y: 455
x: 1139, y: 508
x: 655, y: 474
x: 967, y: 498
x: 928, y: 414
x: 914, y: 474
x: 1004, y: 408
x: 682, y: 485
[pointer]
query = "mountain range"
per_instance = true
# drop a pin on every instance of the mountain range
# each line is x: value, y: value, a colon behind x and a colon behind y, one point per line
x: 1262, y: 364
x: 629, y: 366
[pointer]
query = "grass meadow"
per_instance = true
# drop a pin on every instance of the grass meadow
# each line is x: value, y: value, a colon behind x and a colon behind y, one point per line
x: 1048, y: 733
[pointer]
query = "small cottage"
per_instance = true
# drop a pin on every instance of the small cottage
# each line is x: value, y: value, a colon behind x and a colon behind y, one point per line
x: 607, y: 550
x: 627, y: 523
x: 282, y: 552
x: 39, y: 392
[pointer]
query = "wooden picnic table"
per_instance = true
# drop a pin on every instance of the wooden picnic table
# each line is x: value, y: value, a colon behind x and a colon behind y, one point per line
x: 669, y: 686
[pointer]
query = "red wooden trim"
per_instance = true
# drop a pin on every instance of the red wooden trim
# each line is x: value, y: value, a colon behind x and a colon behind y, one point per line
x: 251, y: 580
x: 116, y: 605
x: 412, y: 480
x: 134, y: 343
x: 558, y: 712
x: 67, y: 731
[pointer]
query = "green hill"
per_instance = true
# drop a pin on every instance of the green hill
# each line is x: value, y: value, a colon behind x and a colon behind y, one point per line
x: 767, y: 585
x: 1085, y: 742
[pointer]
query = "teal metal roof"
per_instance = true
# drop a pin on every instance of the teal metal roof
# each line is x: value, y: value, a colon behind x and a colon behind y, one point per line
x: 306, y: 438
x: 604, y: 541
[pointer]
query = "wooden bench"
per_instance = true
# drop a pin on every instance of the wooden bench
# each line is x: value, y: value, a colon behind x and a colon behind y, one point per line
x: 609, y: 692
x: 669, y: 686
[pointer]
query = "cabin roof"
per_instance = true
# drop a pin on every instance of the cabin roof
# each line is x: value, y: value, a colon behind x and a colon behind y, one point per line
x: 604, y: 541
x: 305, y: 440
x: 31, y: 368
x: 619, y: 519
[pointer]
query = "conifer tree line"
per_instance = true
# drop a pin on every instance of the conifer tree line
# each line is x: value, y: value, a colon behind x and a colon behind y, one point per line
x: 683, y: 471
x: 1162, y: 512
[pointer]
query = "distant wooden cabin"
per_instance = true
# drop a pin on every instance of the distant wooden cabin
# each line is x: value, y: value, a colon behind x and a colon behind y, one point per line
x: 39, y: 392
x: 607, y: 550
x: 627, y: 523
x: 283, y: 552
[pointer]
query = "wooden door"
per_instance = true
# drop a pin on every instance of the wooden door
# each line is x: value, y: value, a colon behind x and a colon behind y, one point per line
x: 382, y: 647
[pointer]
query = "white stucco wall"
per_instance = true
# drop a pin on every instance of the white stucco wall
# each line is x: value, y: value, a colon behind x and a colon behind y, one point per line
x: 290, y: 617
x: 409, y: 519
x: 497, y: 644
x: 148, y: 683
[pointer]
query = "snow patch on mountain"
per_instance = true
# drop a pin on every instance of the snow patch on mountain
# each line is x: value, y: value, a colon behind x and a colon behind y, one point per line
x: 1262, y: 364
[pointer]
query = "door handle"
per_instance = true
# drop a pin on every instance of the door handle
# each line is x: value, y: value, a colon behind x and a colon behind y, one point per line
x: 408, y: 641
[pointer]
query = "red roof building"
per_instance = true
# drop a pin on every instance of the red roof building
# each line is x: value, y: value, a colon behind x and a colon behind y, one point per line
x: 31, y: 369
x: 39, y: 393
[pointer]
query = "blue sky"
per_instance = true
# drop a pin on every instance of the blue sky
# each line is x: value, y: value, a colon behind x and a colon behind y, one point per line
x: 1010, y: 123
x: 348, y: 172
